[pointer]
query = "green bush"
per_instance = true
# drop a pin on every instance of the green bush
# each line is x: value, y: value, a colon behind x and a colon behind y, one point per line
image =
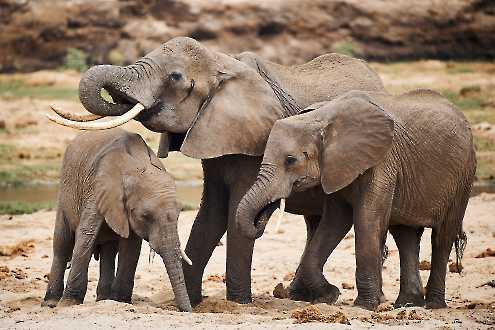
x: 75, y: 59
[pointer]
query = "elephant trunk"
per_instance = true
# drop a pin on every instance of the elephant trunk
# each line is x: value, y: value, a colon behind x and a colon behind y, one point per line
x: 172, y: 259
x: 257, y: 205
x: 126, y: 85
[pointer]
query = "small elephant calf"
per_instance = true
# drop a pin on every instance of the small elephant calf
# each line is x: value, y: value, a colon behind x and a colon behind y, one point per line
x: 114, y: 192
x: 385, y: 162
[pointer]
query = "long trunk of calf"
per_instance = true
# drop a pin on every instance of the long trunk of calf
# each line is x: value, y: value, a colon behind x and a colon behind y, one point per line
x: 255, y: 201
x: 173, y: 263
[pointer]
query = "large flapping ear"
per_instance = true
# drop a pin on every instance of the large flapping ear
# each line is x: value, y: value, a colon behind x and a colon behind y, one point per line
x: 236, y: 119
x: 357, y: 137
x: 109, y: 193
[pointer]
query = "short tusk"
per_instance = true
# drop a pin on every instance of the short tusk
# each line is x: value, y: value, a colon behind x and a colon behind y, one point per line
x: 117, y: 121
x: 185, y: 257
x: 75, y: 116
x: 280, y: 214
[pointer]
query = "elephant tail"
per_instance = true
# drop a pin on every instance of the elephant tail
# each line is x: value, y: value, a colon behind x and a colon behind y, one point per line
x: 460, y: 244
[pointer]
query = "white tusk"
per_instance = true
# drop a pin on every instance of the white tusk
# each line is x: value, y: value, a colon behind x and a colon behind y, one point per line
x: 185, y: 257
x: 117, y: 121
x: 75, y: 116
x: 280, y: 214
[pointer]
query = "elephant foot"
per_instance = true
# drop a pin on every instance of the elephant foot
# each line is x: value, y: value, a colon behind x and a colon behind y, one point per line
x: 327, y: 294
x: 369, y: 304
x: 121, y: 298
x: 435, y: 299
x: 239, y: 298
x: 52, y: 302
x: 69, y: 301
x: 103, y: 293
x: 409, y: 300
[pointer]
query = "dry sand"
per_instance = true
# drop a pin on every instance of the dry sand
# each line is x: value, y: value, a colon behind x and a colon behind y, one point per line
x: 25, y: 244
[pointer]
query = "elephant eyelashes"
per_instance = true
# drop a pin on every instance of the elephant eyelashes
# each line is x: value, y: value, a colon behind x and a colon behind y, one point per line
x: 290, y: 160
x: 175, y: 76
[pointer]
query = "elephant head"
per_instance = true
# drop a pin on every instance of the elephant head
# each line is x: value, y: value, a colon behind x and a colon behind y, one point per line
x: 134, y: 192
x: 331, y: 144
x: 223, y: 105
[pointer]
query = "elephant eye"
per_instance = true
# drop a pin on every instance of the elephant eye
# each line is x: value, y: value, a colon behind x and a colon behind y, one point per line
x: 175, y: 76
x: 290, y: 160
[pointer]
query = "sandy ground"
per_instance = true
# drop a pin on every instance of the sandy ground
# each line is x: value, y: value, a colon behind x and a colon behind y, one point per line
x: 25, y: 246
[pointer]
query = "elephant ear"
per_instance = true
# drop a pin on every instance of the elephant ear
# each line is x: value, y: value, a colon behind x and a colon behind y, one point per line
x: 237, y: 119
x: 358, y: 136
x: 109, y: 192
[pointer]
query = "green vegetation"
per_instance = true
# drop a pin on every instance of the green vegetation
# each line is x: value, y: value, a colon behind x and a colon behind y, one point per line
x: 17, y: 207
x: 485, y: 157
x: 17, y: 88
x: 347, y: 48
x: 463, y: 102
x: 457, y: 68
x: 75, y: 59
x: 23, y: 175
x: 115, y: 57
x: 6, y: 151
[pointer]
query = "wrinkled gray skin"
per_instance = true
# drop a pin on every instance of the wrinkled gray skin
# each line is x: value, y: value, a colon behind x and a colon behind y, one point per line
x: 114, y: 192
x: 407, y: 162
x: 227, y: 106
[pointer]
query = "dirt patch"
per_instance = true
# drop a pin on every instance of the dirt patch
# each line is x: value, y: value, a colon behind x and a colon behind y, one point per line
x: 22, y: 248
x: 313, y: 314
x: 487, y: 253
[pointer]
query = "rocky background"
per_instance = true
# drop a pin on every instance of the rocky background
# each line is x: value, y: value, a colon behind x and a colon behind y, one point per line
x: 44, y: 34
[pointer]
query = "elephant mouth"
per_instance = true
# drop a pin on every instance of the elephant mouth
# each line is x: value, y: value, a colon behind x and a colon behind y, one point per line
x: 261, y: 219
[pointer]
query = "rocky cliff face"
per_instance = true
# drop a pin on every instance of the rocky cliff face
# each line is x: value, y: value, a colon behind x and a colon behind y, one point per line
x: 38, y: 33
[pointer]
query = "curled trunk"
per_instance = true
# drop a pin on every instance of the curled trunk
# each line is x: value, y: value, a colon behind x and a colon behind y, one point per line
x: 257, y: 205
x: 127, y: 86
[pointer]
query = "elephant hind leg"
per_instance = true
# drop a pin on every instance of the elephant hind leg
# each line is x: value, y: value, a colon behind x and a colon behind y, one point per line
x: 63, y: 243
x: 443, y: 237
x: 411, y: 289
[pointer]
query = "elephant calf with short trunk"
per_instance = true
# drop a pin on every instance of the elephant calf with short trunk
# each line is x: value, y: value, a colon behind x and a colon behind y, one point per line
x: 114, y: 192
x: 385, y: 162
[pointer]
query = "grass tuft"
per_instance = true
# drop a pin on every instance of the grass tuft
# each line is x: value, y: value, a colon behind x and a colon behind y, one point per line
x: 17, y: 207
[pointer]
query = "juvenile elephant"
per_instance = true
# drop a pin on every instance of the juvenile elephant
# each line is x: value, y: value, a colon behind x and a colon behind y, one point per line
x: 405, y: 161
x: 220, y: 109
x: 114, y: 192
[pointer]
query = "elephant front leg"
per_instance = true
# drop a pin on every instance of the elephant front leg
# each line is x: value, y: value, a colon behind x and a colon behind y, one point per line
x: 297, y: 289
x: 371, y: 218
x: 239, y: 259
x: 77, y: 281
x: 63, y: 243
x: 335, y: 224
x: 208, y: 228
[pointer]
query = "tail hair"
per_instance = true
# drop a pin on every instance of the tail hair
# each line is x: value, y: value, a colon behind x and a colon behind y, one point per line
x: 460, y: 245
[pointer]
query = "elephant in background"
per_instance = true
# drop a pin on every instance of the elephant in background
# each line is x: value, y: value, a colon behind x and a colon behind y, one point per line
x: 400, y: 162
x: 220, y: 109
x: 114, y: 192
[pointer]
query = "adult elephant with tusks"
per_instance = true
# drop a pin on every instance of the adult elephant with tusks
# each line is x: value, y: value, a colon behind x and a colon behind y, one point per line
x: 220, y: 109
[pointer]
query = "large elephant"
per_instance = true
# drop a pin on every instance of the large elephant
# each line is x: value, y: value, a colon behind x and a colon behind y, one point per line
x: 114, y: 192
x: 220, y: 109
x: 403, y: 161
